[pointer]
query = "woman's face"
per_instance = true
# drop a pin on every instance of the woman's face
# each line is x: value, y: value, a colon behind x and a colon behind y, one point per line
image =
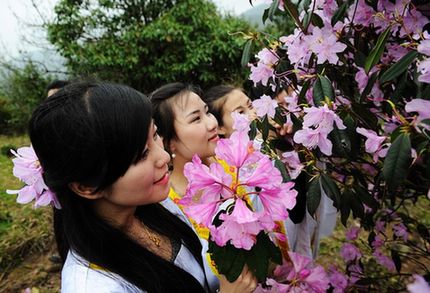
x: 146, y: 181
x: 235, y: 101
x: 196, y: 128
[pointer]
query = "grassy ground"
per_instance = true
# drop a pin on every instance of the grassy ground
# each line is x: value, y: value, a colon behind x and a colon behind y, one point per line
x: 26, y: 238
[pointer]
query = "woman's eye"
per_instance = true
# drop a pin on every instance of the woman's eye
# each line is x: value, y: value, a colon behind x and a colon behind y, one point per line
x: 197, y: 118
x: 156, y: 135
x: 144, y: 155
x: 241, y: 112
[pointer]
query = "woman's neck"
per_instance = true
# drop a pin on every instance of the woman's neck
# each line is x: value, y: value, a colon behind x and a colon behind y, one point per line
x: 118, y: 216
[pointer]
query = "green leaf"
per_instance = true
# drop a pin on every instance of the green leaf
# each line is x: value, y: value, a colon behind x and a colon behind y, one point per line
x: 397, y: 161
x: 228, y: 259
x: 356, y: 206
x: 339, y: 14
x: 341, y: 142
x: 396, y: 259
x: 313, y: 196
x: 322, y: 90
x: 365, y: 116
x: 399, y: 67
x: 258, y: 260
x: 366, y: 197
x: 253, y: 131
x: 330, y: 189
x: 281, y: 167
x: 246, y: 53
x: 376, y: 53
x: 265, y: 127
x: 273, y: 8
x: 370, y: 83
x: 302, y: 94
x: 345, y: 206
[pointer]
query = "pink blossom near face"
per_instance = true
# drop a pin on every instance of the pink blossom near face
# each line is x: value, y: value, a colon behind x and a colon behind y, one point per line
x: 265, y: 105
x: 293, y: 164
x: 261, y: 73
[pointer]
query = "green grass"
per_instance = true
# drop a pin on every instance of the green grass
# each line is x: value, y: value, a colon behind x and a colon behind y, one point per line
x: 23, y: 230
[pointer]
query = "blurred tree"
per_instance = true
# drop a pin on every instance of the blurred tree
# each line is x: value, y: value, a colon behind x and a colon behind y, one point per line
x: 148, y: 43
x: 21, y: 90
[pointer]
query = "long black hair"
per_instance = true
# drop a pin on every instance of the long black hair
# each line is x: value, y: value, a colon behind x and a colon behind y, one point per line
x: 162, y: 104
x: 90, y: 133
x: 215, y: 98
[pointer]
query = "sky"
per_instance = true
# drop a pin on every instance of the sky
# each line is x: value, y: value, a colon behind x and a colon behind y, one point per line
x: 15, y: 15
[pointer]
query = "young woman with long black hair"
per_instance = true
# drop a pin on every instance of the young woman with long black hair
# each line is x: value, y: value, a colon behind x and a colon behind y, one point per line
x: 102, y: 157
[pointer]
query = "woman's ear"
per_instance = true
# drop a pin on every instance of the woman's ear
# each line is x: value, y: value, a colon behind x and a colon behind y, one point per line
x: 85, y: 191
x: 172, y: 146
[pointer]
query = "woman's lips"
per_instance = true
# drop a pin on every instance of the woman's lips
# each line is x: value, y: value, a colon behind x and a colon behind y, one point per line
x: 163, y: 180
x: 214, y: 138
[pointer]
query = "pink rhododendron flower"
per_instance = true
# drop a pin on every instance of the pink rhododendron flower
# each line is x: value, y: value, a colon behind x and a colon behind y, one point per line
x: 362, y: 78
x: 293, y: 164
x: 421, y: 106
x: 302, y: 276
x: 338, y: 280
x: 352, y: 233
x: 241, y: 227
x: 200, y: 176
x: 321, y: 118
x: 420, y: 285
x: 267, y: 57
x: 424, y: 69
x: 373, y: 141
x: 363, y: 14
x: 237, y: 150
x: 313, y: 138
x: 27, y: 168
x: 276, y: 201
x: 265, y: 105
x: 377, y: 242
x: 401, y: 231
x: 298, y: 47
x: 241, y: 122
x: 325, y: 45
x: 261, y: 73
x: 350, y: 252
x: 355, y: 272
x: 384, y: 260
x: 380, y: 226
x: 424, y: 46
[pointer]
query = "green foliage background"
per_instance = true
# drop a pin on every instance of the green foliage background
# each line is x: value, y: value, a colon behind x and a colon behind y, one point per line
x: 149, y: 43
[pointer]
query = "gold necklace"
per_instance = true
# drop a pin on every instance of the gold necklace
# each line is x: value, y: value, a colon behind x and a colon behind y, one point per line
x: 154, y: 238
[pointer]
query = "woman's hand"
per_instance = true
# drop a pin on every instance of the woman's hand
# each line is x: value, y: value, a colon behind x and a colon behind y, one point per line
x: 246, y: 282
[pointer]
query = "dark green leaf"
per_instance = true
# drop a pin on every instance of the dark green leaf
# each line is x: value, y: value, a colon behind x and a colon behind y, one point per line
x: 281, y: 167
x: 376, y: 53
x: 397, y: 161
x: 423, y: 231
x: 356, y: 206
x: 369, y: 86
x: 313, y: 196
x: 303, y: 91
x: 399, y: 67
x: 345, y: 206
x: 265, y: 127
x: 273, y: 8
x: 366, y: 197
x: 246, y: 53
x: 341, y: 142
x: 265, y: 15
x: 228, y: 259
x: 396, y: 259
x: 339, y: 14
x: 258, y: 261
x: 322, y: 90
x: 317, y: 20
x: 365, y: 116
x: 330, y: 189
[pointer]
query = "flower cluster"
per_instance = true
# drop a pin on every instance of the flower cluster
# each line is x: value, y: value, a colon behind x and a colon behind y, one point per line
x: 210, y: 189
x: 27, y: 168
x: 358, y: 82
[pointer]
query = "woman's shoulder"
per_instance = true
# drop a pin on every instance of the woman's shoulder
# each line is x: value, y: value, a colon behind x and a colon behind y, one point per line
x: 80, y: 276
